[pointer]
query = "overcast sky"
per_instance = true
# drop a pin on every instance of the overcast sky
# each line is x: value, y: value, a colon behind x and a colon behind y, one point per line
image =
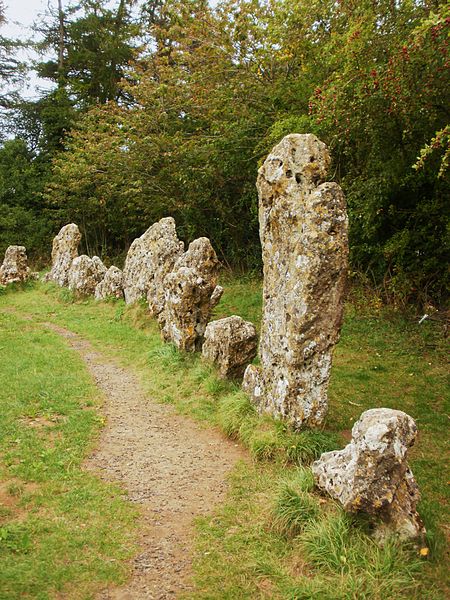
x: 23, y: 11
x: 20, y: 15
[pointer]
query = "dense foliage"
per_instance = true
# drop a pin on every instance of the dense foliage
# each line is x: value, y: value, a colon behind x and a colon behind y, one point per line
x: 169, y: 110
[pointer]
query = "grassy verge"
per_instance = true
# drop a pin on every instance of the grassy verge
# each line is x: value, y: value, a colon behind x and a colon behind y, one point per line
x: 275, y: 538
x: 61, y: 529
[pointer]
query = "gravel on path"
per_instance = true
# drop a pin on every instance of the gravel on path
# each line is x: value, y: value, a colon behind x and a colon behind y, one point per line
x: 170, y: 465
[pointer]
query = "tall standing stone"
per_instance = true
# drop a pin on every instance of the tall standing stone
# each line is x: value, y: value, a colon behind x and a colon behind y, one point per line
x: 303, y: 230
x: 150, y: 258
x: 65, y: 249
x: 15, y: 266
x: 190, y: 295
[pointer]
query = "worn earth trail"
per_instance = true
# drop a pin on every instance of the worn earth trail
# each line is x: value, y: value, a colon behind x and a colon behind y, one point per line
x: 170, y: 466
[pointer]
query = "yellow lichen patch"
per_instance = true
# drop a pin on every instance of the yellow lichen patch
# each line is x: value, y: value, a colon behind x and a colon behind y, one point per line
x: 356, y: 504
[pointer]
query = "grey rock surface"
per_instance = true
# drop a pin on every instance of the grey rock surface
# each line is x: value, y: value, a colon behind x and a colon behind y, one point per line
x: 371, y: 474
x: 191, y: 292
x: 150, y: 258
x: 303, y: 231
x: 14, y: 268
x: 111, y: 285
x: 231, y: 344
x: 64, y: 250
x: 85, y: 274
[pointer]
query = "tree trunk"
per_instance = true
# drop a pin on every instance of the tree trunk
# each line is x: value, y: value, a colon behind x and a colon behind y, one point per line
x: 60, y: 43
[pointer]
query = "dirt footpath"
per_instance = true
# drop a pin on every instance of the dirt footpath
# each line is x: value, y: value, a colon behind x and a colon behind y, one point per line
x: 171, y: 467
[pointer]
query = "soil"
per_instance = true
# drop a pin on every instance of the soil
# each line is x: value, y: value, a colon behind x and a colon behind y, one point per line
x: 171, y: 466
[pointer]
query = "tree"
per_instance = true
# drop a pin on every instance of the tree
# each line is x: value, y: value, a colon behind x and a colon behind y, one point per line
x: 92, y: 46
x: 22, y: 220
x: 216, y: 88
x: 385, y: 98
x: 11, y: 73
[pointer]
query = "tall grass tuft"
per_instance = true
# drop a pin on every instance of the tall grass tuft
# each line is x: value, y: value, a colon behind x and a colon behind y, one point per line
x: 336, y: 544
x: 236, y: 411
x: 326, y: 542
x: 167, y: 355
x: 307, y: 446
x: 293, y: 509
x: 268, y: 438
x: 264, y: 443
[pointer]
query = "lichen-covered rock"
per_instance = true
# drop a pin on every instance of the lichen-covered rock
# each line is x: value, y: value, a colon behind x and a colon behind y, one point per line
x: 111, y: 285
x: 15, y: 266
x: 85, y: 274
x: 65, y: 249
x: 231, y: 343
x: 371, y: 474
x: 150, y: 258
x: 190, y: 295
x: 303, y: 230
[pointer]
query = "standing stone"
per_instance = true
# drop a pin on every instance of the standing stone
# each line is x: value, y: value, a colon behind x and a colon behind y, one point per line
x: 150, y: 258
x: 65, y: 249
x: 111, y: 286
x: 231, y: 343
x: 303, y: 230
x: 190, y: 295
x: 85, y: 274
x: 15, y: 266
x: 371, y: 474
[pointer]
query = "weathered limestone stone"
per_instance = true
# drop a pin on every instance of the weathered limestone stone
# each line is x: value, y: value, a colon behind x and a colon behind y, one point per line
x: 231, y: 343
x: 371, y: 474
x: 111, y: 285
x: 85, y: 274
x: 65, y: 249
x: 150, y: 258
x: 303, y: 230
x: 190, y: 295
x: 15, y: 266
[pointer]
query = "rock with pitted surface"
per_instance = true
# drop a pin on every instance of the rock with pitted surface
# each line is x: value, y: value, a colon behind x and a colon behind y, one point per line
x: 190, y: 295
x: 371, y: 474
x: 111, y: 285
x: 65, y: 249
x: 303, y: 230
x: 85, y: 274
x: 15, y: 266
x: 150, y: 258
x: 231, y: 344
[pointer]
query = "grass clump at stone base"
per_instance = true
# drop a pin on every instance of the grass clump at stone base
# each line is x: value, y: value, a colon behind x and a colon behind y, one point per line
x: 268, y: 544
x: 264, y: 542
x: 294, y: 509
x: 267, y: 438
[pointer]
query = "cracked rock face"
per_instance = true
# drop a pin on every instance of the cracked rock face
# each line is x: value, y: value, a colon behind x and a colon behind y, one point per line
x: 371, y: 474
x: 15, y: 266
x: 111, y: 285
x: 231, y: 343
x: 190, y: 295
x: 65, y: 249
x: 303, y: 230
x: 150, y: 258
x: 85, y: 274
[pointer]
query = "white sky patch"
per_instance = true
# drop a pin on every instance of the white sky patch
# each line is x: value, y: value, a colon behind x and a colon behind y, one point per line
x: 20, y: 16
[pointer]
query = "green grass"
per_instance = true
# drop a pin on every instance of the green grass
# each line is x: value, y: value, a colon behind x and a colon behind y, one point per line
x: 274, y: 538
x: 62, y: 530
x: 295, y: 507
